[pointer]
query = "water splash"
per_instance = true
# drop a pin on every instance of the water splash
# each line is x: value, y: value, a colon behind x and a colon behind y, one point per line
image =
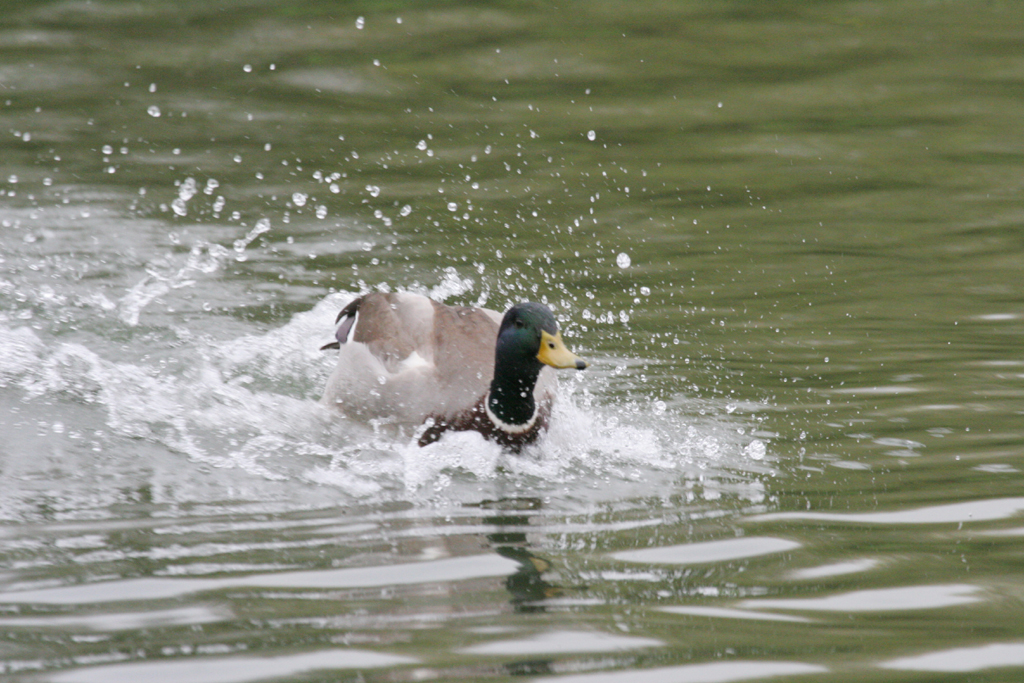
x: 452, y: 284
x: 262, y: 226
x: 162, y: 277
x: 165, y: 275
x: 250, y: 403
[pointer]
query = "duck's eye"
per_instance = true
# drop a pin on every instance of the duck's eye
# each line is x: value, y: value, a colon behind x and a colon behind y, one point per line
x: 520, y: 324
x: 551, y: 345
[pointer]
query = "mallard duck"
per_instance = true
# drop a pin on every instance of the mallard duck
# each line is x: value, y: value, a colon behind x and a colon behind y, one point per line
x: 406, y: 357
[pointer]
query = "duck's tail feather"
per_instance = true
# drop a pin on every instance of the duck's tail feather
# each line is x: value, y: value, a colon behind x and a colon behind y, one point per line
x: 347, y: 319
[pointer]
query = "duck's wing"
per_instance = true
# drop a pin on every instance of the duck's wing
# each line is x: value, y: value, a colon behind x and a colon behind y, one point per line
x: 404, y: 356
x: 463, y: 346
x: 393, y: 326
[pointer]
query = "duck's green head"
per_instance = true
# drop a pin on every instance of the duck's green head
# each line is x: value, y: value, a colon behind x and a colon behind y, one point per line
x: 529, y: 334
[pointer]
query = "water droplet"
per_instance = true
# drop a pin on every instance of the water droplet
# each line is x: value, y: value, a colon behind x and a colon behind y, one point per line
x: 152, y: 87
x: 12, y: 178
x: 591, y: 135
x: 646, y: 291
x: 262, y: 226
x: 187, y: 190
x: 321, y: 212
x: 659, y: 407
x: 623, y: 260
x: 452, y: 206
x: 153, y: 111
x: 421, y: 145
x: 755, y: 450
x: 406, y: 210
x: 299, y: 199
x: 360, y: 22
x: 247, y: 68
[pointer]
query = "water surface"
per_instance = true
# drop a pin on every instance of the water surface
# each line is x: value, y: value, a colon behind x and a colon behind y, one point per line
x: 787, y: 235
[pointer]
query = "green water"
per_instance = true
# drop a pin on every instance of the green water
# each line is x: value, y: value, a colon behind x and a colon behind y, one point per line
x: 787, y: 234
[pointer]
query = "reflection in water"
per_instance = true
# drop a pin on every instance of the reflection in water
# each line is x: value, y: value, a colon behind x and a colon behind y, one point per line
x: 231, y: 669
x: 122, y: 621
x: 408, y: 573
x: 710, y: 551
x: 718, y: 672
x: 836, y: 569
x: 962, y: 659
x: 726, y: 613
x: 880, y: 600
x: 529, y: 591
x: 527, y: 585
x: 971, y: 511
x: 561, y: 642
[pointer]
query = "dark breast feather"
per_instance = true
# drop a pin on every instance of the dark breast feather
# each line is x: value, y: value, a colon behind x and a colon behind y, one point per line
x: 475, y: 419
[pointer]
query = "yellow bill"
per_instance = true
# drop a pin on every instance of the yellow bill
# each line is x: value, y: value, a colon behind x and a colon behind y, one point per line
x: 554, y: 353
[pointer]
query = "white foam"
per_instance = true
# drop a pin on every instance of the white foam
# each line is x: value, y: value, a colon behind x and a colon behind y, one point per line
x: 287, y: 356
x: 250, y: 403
x: 21, y: 350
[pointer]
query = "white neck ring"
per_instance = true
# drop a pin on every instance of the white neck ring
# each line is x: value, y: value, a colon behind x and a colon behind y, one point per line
x: 504, y: 426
